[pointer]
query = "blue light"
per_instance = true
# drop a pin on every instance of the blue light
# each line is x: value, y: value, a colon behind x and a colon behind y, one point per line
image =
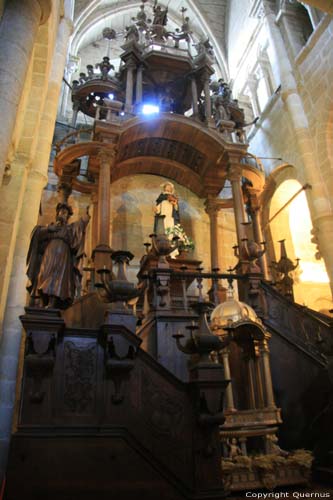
x: 150, y: 109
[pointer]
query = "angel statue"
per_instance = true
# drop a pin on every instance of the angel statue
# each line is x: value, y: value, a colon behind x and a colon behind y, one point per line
x: 167, y: 208
x: 54, y: 257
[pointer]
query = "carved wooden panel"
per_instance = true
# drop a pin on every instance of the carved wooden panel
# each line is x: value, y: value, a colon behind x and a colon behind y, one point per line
x: 165, y: 148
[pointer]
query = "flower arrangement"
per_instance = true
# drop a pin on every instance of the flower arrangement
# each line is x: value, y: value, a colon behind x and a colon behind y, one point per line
x: 185, y: 243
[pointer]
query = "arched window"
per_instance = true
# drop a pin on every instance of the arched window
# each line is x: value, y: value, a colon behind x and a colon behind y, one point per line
x: 293, y: 223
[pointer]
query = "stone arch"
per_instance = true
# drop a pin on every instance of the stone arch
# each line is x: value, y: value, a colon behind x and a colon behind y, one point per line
x: 280, y: 174
x: 311, y: 281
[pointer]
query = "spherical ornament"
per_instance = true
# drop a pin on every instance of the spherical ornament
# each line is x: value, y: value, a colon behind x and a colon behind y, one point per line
x: 230, y: 312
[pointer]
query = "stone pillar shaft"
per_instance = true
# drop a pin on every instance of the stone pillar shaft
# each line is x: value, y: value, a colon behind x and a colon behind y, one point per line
x: 18, y: 30
x: 321, y: 213
x: 32, y: 183
x: 12, y: 328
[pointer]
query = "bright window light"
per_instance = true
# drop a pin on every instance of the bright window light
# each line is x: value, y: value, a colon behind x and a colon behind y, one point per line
x: 149, y: 109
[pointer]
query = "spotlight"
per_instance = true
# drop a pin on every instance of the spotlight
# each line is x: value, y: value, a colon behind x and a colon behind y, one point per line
x: 97, y: 98
x: 150, y: 109
x: 111, y: 96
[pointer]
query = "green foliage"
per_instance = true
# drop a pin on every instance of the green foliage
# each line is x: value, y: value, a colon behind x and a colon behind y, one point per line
x: 185, y: 242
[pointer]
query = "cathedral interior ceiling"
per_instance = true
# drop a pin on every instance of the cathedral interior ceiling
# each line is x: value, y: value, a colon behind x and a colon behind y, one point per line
x: 207, y: 20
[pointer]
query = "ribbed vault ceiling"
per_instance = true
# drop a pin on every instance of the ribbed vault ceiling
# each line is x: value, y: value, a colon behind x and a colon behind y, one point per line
x: 207, y: 19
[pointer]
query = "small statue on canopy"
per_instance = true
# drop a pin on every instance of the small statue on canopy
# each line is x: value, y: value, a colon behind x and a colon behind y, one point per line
x: 160, y: 15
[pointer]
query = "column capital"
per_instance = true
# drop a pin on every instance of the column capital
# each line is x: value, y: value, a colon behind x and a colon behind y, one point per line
x: 108, y: 154
x: 214, y: 205
x: 46, y: 7
x: 234, y: 172
x: 264, y: 348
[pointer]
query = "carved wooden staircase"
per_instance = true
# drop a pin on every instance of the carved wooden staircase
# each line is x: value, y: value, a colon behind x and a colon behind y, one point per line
x: 301, y: 362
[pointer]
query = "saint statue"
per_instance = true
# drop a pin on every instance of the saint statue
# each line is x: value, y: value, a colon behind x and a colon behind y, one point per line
x: 160, y: 15
x: 167, y: 208
x: 53, y: 259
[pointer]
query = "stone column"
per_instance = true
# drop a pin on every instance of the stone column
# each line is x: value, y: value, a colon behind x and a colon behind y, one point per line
x: 71, y: 68
x: 139, y: 72
x: 16, y: 298
x: 33, y: 182
x: 318, y: 197
x: 252, y: 84
x: 267, y: 374
x: 18, y: 30
x: 194, y: 90
x: 129, y: 87
x: 229, y: 398
x: 234, y: 175
x: 76, y: 107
